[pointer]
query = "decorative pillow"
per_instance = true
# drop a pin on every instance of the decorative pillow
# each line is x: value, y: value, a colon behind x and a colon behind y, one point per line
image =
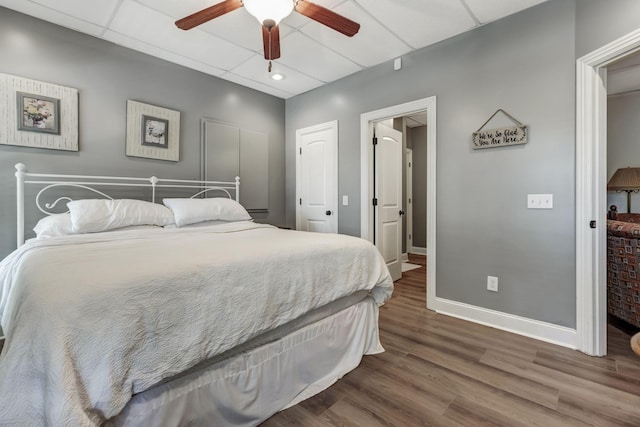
x: 191, y: 211
x: 54, y: 226
x: 94, y: 215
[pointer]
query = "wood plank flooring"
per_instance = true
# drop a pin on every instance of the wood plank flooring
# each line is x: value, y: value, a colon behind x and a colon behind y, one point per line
x: 442, y: 371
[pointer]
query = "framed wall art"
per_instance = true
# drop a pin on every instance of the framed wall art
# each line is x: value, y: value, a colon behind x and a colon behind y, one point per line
x: 38, y: 114
x: 152, y: 132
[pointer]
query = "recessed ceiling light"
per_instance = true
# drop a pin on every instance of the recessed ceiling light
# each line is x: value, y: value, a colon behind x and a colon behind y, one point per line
x: 277, y: 76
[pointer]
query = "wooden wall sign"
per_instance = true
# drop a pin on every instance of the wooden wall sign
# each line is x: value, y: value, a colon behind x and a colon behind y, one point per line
x: 500, y: 137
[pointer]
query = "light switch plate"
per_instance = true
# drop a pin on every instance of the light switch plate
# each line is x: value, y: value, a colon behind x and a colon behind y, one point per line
x: 345, y: 200
x: 540, y: 201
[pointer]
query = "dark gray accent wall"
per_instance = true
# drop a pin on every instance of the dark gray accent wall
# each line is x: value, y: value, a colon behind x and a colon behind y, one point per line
x: 599, y: 22
x: 106, y: 76
x: 419, y: 185
x: 524, y: 64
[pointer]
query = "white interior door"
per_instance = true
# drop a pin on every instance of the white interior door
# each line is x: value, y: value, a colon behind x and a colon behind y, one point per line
x: 389, y: 194
x: 317, y: 178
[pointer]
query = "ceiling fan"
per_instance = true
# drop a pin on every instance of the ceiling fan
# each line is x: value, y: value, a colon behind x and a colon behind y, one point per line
x: 269, y: 13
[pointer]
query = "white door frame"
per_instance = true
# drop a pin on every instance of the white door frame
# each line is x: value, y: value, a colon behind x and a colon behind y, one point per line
x: 409, y: 188
x: 333, y: 126
x: 366, y: 177
x: 591, y: 192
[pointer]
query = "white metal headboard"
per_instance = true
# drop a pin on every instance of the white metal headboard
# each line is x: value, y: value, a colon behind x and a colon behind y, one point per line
x: 89, y: 182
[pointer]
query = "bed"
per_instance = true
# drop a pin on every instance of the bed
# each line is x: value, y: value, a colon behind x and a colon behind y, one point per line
x: 184, y: 314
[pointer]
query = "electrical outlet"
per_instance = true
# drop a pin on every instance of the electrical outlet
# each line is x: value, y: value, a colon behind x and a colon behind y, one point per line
x: 492, y: 283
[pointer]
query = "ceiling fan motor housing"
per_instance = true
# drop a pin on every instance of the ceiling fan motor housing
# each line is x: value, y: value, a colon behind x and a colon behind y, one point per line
x: 269, y: 23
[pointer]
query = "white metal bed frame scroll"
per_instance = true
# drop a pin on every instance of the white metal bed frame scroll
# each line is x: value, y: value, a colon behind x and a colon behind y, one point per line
x: 88, y: 182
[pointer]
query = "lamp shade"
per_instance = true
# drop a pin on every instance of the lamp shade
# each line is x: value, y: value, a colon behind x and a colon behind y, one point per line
x: 263, y: 10
x: 625, y: 179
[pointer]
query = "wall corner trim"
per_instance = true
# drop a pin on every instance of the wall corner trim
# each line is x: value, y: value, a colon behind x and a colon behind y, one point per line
x: 536, y: 329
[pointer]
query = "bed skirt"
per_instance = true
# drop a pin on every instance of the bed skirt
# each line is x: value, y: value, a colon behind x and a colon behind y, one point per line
x: 249, y: 387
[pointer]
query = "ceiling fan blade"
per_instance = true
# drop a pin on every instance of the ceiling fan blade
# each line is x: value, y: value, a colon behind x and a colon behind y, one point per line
x: 208, y: 14
x: 327, y: 17
x: 271, y: 42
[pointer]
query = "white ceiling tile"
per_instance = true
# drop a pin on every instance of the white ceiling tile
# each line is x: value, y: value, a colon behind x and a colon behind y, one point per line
x: 240, y: 28
x: 421, y: 22
x: 372, y: 45
x: 256, y: 85
x: 134, y: 44
x: 96, y: 12
x: 490, y: 10
x: 231, y: 45
x: 294, y: 82
x: 297, y: 20
x: 53, y: 16
x: 178, y: 9
x: 156, y: 29
x: 305, y: 55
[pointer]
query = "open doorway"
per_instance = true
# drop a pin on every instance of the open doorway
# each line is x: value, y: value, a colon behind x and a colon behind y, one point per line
x: 369, y: 190
x: 591, y: 192
x: 415, y: 179
x: 623, y: 201
x: 400, y: 190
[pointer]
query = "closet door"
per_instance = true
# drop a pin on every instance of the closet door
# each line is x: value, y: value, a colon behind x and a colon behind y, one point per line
x: 228, y: 151
x: 220, y: 152
x: 254, y: 170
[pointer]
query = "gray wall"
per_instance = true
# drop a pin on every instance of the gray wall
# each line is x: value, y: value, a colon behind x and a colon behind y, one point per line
x: 106, y: 76
x: 524, y: 64
x: 623, y: 144
x: 599, y: 22
x: 419, y: 185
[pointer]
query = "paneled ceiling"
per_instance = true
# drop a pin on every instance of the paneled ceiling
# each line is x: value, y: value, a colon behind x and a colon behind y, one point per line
x: 230, y: 47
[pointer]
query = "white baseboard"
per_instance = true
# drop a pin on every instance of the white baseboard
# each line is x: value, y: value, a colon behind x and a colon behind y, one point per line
x: 405, y: 257
x: 543, y: 331
x: 417, y: 250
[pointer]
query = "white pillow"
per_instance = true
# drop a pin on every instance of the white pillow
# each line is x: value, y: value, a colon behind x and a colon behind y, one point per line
x: 93, y: 215
x: 54, y: 226
x: 191, y: 211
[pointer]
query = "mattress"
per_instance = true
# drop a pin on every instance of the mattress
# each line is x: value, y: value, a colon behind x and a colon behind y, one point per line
x: 91, y: 320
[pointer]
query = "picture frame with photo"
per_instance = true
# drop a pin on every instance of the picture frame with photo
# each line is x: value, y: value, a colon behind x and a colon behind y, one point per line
x: 38, y: 113
x: 153, y: 132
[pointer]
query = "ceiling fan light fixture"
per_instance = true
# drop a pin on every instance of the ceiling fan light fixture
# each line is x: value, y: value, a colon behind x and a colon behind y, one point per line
x: 277, y: 76
x: 264, y: 10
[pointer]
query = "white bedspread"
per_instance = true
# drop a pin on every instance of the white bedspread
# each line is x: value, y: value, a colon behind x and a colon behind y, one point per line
x: 92, y: 319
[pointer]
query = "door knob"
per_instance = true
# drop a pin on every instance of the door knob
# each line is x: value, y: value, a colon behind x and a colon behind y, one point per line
x: 401, y: 213
x: 328, y: 213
